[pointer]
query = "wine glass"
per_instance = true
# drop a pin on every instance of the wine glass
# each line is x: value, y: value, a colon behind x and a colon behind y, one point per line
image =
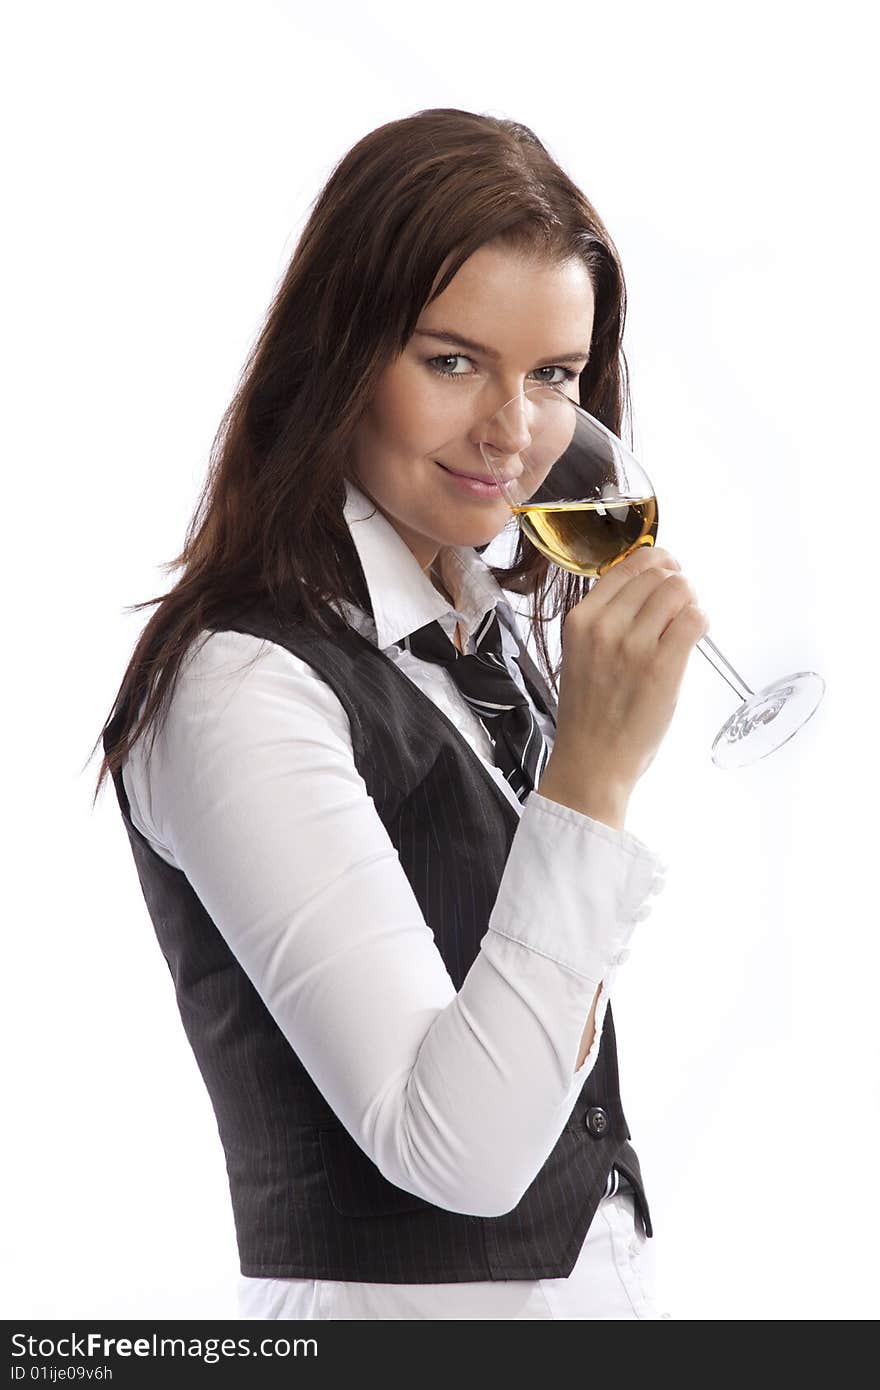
x: 584, y: 500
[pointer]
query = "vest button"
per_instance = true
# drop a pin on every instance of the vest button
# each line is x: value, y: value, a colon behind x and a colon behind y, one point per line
x: 597, y: 1121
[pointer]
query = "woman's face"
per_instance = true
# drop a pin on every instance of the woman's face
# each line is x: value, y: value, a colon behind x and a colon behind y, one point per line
x: 434, y: 403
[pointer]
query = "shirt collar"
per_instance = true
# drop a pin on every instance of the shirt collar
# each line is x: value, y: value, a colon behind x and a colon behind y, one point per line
x: 402, y: 596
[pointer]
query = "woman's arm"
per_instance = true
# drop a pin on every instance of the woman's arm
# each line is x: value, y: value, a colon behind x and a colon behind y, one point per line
x: 458, y: 1097
x: 608, y: 806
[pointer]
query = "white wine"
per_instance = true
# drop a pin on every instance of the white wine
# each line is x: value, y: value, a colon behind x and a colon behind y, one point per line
x: 589, y: 537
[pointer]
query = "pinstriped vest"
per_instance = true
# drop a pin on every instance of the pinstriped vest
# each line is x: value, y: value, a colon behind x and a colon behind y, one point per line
x: 307, y: 1201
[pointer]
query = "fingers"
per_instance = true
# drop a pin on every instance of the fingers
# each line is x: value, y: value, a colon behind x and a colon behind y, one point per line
x: 614, y: 602
x: 678, y: 641
x: 629, y: 640
x: 651, y: 607
x: 655, y: 593
x: 636, y: 602
x: 645, y: 560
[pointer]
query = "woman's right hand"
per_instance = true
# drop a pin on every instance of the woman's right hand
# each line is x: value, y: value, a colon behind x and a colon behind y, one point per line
x: 625, y: 647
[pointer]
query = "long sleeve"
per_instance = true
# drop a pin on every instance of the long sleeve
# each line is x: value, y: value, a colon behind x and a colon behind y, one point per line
x: 252, y: 789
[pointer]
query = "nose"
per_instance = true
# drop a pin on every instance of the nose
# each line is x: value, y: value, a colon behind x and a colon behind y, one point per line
x: 508, y: 430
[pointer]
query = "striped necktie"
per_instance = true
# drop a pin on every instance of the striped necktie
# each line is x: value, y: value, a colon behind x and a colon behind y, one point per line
x: 485, y: 682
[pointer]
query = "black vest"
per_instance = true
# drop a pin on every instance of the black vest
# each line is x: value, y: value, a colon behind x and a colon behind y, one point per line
x: 307, y: 1201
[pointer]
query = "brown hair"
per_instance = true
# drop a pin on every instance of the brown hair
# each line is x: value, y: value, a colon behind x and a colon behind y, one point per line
x: 411, y: 196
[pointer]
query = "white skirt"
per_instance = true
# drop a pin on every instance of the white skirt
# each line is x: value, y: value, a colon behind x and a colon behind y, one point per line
x: 612, y: 1278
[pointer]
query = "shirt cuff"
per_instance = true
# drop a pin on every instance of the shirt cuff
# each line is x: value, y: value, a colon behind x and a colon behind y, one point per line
x: 574, y: 888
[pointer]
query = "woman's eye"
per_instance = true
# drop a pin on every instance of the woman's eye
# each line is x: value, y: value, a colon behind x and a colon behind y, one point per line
x: 434, y: 363
x: 437, y: 365
x: 567, y: 374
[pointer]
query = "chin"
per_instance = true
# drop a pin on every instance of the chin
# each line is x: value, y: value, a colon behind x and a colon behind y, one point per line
x: 479, y: 532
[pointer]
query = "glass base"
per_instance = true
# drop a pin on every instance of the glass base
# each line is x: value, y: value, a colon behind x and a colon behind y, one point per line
x: 768, y: 719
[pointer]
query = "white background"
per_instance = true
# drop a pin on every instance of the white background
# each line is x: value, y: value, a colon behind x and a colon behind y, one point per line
x: 160, y: 163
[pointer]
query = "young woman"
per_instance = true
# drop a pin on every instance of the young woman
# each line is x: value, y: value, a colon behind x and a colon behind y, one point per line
x: 390, y: 875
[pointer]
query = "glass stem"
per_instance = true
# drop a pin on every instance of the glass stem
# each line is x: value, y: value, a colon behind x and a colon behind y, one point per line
x: 723, y: 667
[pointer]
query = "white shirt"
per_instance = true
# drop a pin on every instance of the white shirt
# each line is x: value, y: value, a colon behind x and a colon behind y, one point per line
x: 251, y: 790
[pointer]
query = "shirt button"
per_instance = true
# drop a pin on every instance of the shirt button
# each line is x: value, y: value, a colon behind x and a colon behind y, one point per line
x: 597, y: 1121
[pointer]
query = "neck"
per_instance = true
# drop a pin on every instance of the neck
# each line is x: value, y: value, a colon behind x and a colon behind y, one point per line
x: 432, y: 572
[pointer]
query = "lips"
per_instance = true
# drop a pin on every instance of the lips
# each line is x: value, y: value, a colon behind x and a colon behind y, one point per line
x: 475, y: 477
x: 476, y: 486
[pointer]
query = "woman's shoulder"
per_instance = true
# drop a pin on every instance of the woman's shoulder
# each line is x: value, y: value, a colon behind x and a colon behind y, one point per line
x: 231, y: 690
x: 225, y: 659
x: 234, y: 697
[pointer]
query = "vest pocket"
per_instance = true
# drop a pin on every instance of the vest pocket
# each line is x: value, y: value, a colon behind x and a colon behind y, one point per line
x: 356, y: 1186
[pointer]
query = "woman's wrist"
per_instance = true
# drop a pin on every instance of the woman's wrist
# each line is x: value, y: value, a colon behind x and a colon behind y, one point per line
x: 599, y: 797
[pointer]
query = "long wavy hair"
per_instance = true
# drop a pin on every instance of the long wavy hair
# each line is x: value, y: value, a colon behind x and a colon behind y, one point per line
x: 268, y: 525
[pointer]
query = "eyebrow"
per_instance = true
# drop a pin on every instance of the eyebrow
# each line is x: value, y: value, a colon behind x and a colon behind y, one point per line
x: 460, y: 341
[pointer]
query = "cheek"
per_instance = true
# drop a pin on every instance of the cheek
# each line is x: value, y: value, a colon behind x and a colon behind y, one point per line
x: 447, y: 425
x: 399, y: 413
x: 415, y: 415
